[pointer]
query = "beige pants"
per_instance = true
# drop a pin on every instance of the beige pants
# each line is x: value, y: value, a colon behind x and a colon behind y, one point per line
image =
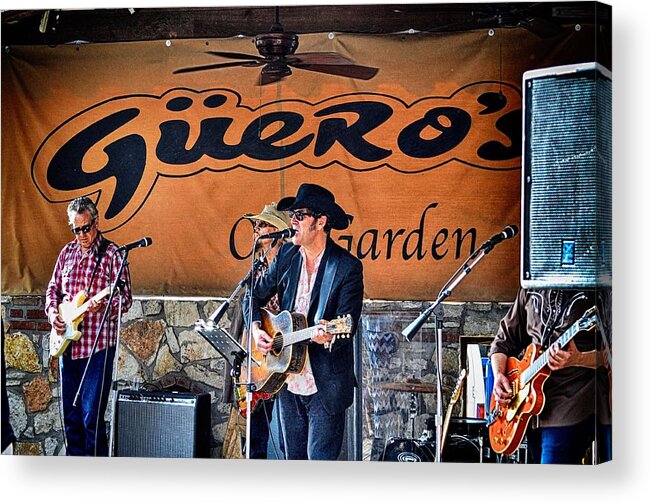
x: 235, y: 437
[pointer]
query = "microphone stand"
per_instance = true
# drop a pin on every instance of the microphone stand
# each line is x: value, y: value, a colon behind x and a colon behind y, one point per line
x: 107, y: 310
x: 435, y: 307
x: 217, y: 315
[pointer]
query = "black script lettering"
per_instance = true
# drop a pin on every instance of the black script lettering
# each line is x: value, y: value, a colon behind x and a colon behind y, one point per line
x: 264, y: 149
x: 372, y: 249
x: 436, y: 244
x: 371, y: 115
x: 390, y: 239
x: 460, y: 239
x: 233, y: 246
x: 348, y: 241
x: 413, y: 144
x: 174, y: 137
x: 511, y: 125
x: 419, y: 234
x: 126, y: 161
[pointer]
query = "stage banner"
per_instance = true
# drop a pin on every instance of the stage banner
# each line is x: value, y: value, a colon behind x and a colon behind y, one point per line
x: 426, y: 155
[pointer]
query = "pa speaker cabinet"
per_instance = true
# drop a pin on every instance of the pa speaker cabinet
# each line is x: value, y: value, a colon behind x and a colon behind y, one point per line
x: 567, y: 178
x: 162, y: 424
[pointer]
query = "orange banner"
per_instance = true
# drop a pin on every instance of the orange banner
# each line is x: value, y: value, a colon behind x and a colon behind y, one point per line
x: 425, y: 156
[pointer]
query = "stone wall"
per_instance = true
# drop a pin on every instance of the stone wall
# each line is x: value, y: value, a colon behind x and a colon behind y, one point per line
x: 160, y: 348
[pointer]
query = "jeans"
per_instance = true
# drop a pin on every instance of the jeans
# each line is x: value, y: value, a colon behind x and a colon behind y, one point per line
x: 310, y: 432
x: 568, y: 445
x: 260, y: 420
x: 85, y: 427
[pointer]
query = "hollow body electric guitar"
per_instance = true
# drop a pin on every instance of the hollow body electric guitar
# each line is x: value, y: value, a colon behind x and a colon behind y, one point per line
x: 72, y: 313
x: 508, y: 424
x: 454, y: 398
x: 289, y: 350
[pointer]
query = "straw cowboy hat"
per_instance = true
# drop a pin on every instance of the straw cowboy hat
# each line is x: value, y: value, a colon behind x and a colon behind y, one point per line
x: 271, y: 215
x: 319, y: 199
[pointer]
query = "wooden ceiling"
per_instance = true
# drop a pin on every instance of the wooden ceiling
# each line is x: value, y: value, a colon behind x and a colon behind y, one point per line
x: 30, y: 27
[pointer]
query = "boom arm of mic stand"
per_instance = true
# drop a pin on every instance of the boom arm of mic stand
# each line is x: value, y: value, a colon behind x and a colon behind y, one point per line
x: 459, y: 275
x: 219, y: 312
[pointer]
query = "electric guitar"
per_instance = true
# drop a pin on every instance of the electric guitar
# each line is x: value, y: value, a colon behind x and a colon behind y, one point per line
x: 289, y: 349
x: 456, y: 394
x: 72, y: 312
x: 508, y: 424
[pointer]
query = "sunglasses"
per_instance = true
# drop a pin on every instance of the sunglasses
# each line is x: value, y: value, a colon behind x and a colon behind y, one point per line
x: 261, y: 225
x: 83, y: 229
x: 301, y: 214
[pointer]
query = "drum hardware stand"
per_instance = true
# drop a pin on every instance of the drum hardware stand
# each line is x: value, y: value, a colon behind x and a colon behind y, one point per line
x: 436, y: 309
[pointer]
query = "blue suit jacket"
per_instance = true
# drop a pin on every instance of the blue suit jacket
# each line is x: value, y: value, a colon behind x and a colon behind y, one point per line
x: 338, y: 290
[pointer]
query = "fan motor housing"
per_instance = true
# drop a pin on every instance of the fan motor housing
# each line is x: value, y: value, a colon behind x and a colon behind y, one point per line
x: 276, y: 44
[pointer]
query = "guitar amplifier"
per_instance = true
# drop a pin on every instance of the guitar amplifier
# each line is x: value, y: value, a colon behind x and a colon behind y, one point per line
x: 162, y: 424
x: 567, y: 178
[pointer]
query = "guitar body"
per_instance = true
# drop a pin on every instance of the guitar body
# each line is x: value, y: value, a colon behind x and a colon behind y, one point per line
x: 510, y: 422
x: 68, y: 312
x: 271, y: 375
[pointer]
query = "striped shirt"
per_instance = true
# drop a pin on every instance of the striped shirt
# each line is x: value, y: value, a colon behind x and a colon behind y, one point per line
x: 72, y: 273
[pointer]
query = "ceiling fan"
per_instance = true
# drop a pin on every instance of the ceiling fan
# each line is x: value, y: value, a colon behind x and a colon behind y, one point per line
x: 277, y: 58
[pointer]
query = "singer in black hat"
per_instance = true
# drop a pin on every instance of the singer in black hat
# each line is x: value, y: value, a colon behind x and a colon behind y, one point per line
x: 318, y: 278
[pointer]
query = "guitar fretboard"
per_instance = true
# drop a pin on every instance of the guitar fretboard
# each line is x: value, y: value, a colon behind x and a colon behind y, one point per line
x: 300, y: 335
x: 543, y: 360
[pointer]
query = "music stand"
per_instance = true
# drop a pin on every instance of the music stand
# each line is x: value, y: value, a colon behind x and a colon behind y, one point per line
x: 224, y: 343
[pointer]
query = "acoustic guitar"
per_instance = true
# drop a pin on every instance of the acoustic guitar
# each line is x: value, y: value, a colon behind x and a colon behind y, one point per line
x: 289, y: 349
x: 72, y: 313
x: 507, y: 424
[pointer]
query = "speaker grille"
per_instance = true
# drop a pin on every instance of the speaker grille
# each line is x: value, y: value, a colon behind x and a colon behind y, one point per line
x: 567, y: 191
x: 162, y: 424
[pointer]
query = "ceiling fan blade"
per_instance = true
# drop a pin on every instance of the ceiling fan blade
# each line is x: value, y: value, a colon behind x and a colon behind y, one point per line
x: 319, y: 58
x: 352, y: 71
x: 216, y: 66
x: 234, y: 55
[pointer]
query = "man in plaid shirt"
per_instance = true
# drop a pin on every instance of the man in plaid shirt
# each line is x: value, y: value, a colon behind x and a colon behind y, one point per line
x: 89, y: 263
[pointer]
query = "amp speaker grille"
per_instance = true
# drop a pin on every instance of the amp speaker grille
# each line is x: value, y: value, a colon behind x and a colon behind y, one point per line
x: 162, y: 424
x: 567, y: 174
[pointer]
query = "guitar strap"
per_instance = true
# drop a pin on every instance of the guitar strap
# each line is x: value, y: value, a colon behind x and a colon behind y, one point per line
x: 100, y: 254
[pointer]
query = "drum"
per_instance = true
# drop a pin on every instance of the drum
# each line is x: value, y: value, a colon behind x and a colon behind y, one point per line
x: 408, y: 450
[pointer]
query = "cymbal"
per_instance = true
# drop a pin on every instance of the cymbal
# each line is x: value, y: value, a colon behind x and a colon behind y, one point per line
x: 415, y: 386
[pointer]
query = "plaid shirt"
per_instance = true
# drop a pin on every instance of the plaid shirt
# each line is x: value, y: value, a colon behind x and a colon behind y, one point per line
x: 72, y: 274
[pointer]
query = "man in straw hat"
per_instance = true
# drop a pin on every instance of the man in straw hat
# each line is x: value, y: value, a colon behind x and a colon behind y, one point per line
x: 268, y: 221
x: 318, y: 278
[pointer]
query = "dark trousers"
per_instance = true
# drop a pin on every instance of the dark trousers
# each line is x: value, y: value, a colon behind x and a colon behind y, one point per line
x: 260, y: 420
x: 310, y: 432
x: 85, y: 427
x: 568, y: 445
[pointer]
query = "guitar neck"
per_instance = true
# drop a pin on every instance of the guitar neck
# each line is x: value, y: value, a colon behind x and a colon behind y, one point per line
x: 84, y: 307
x: 300, y: 335
x: 543, y: 360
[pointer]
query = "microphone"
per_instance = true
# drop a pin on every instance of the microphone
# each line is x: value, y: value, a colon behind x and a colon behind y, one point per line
x: 144, y: 242
x: 286, y: 233
x: 507, y: 232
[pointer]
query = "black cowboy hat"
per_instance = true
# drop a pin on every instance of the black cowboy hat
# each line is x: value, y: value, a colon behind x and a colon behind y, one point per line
x: 319, y: 199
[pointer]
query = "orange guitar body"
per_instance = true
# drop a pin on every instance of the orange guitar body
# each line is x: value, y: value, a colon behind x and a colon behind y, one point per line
x: 509, y: 423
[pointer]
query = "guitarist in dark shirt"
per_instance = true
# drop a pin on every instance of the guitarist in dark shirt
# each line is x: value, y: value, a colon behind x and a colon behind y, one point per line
x: 576, y: 392
x: 319, y: 279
